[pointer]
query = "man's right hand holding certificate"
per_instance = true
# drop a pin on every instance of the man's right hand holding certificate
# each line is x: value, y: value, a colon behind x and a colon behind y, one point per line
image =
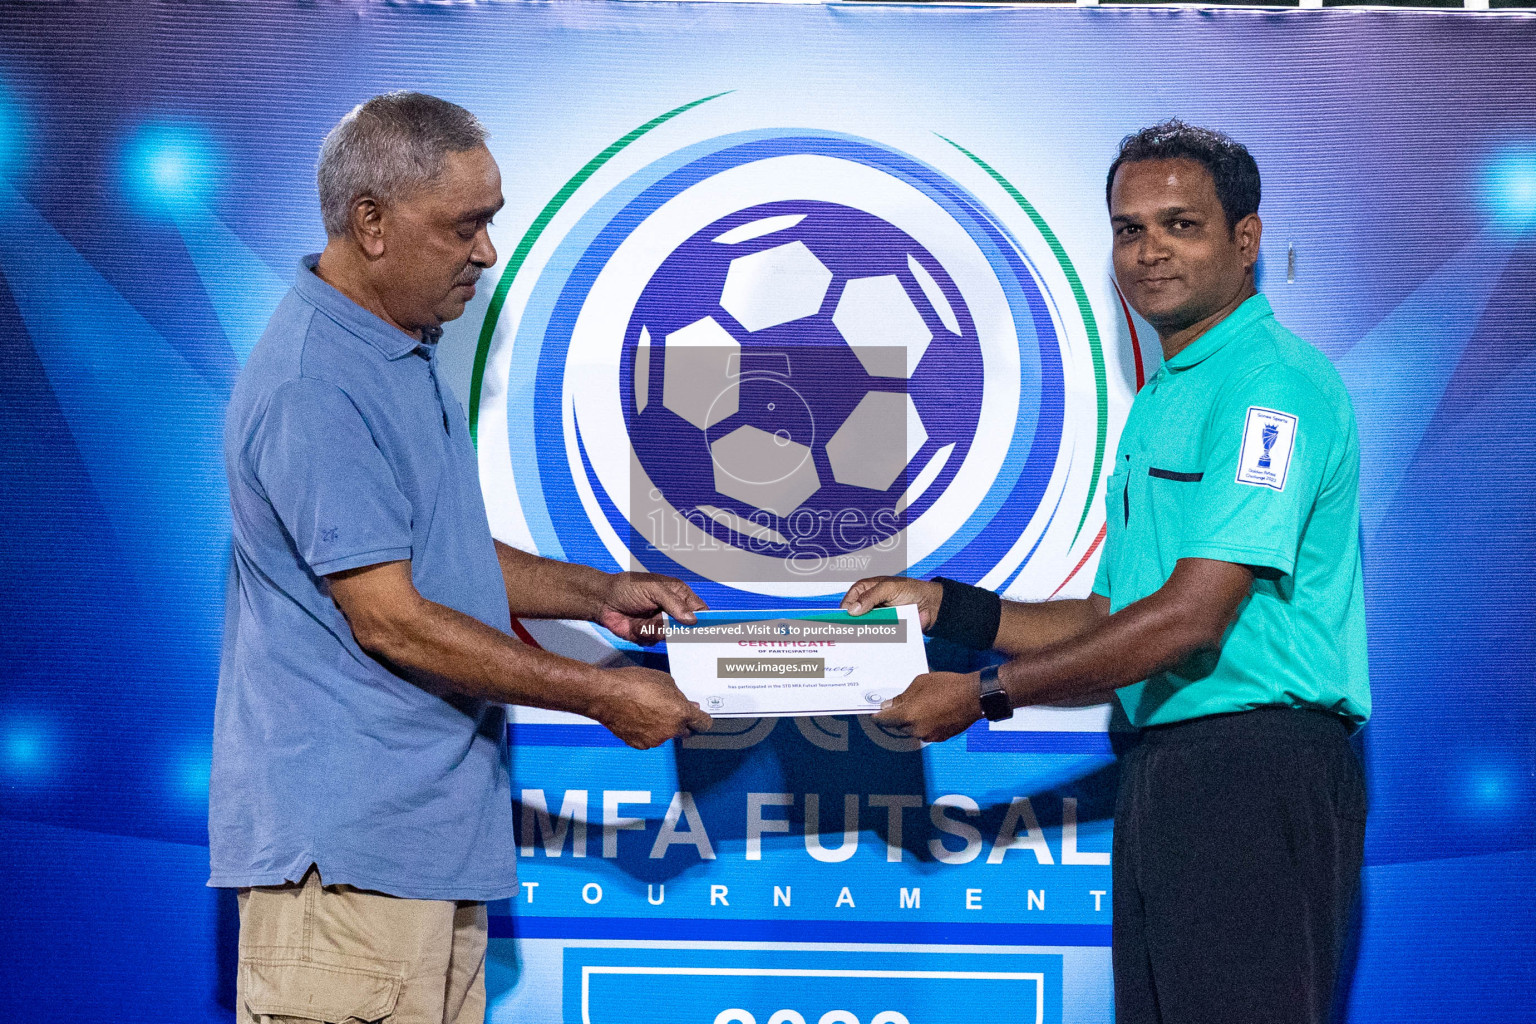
x: 1079, y: 653
x: 937, y: 705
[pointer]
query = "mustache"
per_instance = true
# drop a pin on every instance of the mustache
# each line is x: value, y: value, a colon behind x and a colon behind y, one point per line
x: 470, y: 276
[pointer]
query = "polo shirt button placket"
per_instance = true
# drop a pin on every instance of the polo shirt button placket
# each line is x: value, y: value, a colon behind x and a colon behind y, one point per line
x: 437, y: 389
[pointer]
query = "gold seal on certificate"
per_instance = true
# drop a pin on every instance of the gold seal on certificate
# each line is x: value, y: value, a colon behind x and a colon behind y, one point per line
x: 762, y: 663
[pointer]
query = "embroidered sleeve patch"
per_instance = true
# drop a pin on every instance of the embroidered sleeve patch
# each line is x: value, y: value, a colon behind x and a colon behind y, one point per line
x: 1269, y: 438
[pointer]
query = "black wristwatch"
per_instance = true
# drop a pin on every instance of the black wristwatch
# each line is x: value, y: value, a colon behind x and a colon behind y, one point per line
x: 994, y: 699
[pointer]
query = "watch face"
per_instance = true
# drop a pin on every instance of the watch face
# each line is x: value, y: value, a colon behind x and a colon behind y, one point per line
x: 994, y: 704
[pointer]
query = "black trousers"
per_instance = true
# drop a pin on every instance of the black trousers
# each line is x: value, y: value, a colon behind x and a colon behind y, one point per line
x: 1237, y: 853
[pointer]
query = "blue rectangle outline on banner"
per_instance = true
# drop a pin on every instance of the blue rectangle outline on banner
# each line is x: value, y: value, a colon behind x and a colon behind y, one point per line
x: 588, y: 970
x: 581, y: 963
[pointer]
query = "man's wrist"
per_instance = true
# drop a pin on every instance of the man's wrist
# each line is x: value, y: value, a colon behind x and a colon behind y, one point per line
x: 598, y: 591
x: 1024, y: 681
x: 595, y: 694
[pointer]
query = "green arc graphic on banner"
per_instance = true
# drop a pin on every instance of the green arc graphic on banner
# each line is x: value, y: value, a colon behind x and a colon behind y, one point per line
x: 531, y: 236
x: 1084, y: 307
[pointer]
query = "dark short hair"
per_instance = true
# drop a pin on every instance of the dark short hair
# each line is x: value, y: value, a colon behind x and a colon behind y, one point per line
x: 1230, y: 164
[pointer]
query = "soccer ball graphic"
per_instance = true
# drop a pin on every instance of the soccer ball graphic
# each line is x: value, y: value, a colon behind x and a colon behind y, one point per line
x: 801, y: 378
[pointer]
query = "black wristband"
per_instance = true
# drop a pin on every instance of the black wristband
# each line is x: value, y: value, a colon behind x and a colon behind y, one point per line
x: 968, y: 616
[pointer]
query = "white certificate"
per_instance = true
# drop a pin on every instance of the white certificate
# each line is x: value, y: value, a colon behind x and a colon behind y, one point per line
x: 757, y: 663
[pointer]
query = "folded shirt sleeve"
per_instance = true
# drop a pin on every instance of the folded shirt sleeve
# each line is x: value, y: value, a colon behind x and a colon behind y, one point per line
x: 1269, y: 446
x: 324, y: 475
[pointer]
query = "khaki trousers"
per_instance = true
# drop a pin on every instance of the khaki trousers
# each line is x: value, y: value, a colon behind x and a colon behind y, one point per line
x: 330, y: 953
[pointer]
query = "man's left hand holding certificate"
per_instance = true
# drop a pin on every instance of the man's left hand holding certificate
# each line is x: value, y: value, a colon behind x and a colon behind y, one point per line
x: 757, y: 663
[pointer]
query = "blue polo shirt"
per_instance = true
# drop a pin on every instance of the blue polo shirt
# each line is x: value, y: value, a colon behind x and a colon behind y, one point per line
x: 342, y: 451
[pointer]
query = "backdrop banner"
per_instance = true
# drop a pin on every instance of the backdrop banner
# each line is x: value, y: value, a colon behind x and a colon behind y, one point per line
x: 786, y: 296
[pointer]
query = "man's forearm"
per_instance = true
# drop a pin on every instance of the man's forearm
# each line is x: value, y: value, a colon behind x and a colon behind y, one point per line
x: 1027, y: 628
x: 542, y: 588
x: 1190, y: 613
x: 445, y: 650
x: 1136, y: 642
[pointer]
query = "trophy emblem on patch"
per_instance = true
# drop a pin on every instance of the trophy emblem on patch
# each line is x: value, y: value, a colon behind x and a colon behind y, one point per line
x: 1268, y: 438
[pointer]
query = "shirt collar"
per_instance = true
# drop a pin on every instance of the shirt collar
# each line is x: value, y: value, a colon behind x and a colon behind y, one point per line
x: 1213, y: 340
x: 390, y: 340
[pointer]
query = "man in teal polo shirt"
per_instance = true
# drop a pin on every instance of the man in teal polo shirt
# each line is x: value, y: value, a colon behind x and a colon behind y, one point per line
x: 1227, y: 617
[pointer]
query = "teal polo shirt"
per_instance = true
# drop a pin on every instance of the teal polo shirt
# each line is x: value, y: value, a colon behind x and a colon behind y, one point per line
x: 1242, y: 448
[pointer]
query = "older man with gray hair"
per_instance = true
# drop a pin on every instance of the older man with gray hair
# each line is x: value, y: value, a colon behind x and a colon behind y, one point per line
x: 360, y: 798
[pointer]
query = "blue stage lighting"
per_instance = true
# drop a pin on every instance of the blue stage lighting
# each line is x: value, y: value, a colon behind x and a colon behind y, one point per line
x: 1511, y: 186
x: 169, y: 167
x: 13, y: 132
x: 25, y: 746
x: 1490, y: 787
x: 191, y: 775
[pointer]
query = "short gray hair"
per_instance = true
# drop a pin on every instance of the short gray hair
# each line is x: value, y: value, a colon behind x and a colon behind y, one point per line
x: 387, y: 148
